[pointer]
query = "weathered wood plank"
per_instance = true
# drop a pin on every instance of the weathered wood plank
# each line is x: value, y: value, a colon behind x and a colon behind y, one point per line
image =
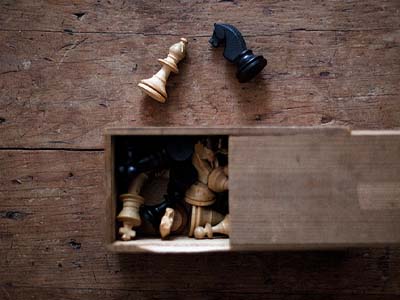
x: 50, y: 228
x: 311, y: 191
x: 197, y: 17
x: 67, y: 88
x: 330, y: 62
x: 15, y: 292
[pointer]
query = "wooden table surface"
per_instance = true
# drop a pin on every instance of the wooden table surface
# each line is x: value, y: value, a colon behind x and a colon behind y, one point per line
x: 69, y: 69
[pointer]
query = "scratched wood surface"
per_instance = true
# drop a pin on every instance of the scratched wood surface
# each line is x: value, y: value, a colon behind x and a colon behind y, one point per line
x: 68, y: 69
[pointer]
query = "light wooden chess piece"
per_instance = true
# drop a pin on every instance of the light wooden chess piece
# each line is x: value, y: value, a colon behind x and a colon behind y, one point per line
x: 202, y: 215
x: 218, y: 180
x: 174, y: 221
x: 200, y: 195
x: 224, y: 227
x: 203, y: 160
x: 129, y: 215
x: 166, y: 222
x: 155, y: 86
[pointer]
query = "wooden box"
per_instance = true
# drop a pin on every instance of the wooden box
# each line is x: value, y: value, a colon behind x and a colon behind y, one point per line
x: 290, y: 188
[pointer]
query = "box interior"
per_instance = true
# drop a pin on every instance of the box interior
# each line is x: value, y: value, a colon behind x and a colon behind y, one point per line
x: 129, y: 149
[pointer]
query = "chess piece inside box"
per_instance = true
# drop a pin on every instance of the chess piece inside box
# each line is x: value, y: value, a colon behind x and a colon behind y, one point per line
x: 222, y: 228
x: 155, y: 86
x: 175, y: 150
x: 203, y: 160
x: 202, y: 215
x: 218, y: 180
x: 173, y: 221
x: 200, y: 195
x: 129, y: 215
x: 166, y: 222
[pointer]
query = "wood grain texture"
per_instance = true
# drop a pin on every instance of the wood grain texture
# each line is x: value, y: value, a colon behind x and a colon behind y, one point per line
x: 68, y: 69
x: 309, y: 190
x: 197, y: 17
x: 61, y: 89
x: 59, y: 251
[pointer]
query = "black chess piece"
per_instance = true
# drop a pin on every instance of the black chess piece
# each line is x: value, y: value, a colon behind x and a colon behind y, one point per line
x: 248, y: 64
x: 154, y: 213
x: 174, y: 150
x: 181, y: 176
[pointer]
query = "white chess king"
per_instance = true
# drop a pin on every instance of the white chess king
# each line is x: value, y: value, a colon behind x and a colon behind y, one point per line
x: 155, y: 86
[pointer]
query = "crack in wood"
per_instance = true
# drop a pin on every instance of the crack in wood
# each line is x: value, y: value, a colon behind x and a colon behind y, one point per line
x: 51, y: 149
x: 70, y: 31
x: 13, y: 215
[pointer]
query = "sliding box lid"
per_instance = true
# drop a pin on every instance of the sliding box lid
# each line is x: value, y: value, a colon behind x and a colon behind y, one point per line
x: 314, y: 189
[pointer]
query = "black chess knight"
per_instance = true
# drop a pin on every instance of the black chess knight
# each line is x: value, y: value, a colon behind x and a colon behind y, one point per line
x: 248, y: 64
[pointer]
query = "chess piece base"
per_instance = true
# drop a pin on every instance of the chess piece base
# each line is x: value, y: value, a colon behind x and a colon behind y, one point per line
x: 201, y: 216
x: 249, y: 65
x: 129, y: 215
x: 200, y: 195
x: 224, y: 227
x: 152, y: 92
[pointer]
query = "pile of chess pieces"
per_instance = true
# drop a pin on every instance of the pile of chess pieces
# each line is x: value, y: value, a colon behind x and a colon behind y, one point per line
x: 196, y: 197
x: 195, y: 200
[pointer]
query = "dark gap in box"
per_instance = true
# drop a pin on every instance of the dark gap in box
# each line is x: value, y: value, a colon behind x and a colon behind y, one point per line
x: 174, y: 171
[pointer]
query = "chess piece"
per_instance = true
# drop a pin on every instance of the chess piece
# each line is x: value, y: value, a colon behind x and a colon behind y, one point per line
x: 155, y: 86
x: 181, y: 176
x: 129, y: 215
x: 203, y: 160
x: 180, y: 219
x: 166, y: 222
x: 173, y: 221
x: 248, y: 64
x: 218, y: 180
x: 200, y: 195
x: 201, y: 163
x: 175, y: 150
x: 223, y: 227
x: 151, y: 162
x: 202, y: 215
x: 154, y: 213
x: 179, y: 148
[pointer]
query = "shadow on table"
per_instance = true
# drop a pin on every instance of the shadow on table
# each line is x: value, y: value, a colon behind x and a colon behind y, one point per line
x: 256, y: 275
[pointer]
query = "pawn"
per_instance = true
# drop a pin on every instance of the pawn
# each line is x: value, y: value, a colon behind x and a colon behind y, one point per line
x: 202, y: 215
x: 218, y: 180
x: 222, y: 228
x: 129, y: 215
x: 155, y: 86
